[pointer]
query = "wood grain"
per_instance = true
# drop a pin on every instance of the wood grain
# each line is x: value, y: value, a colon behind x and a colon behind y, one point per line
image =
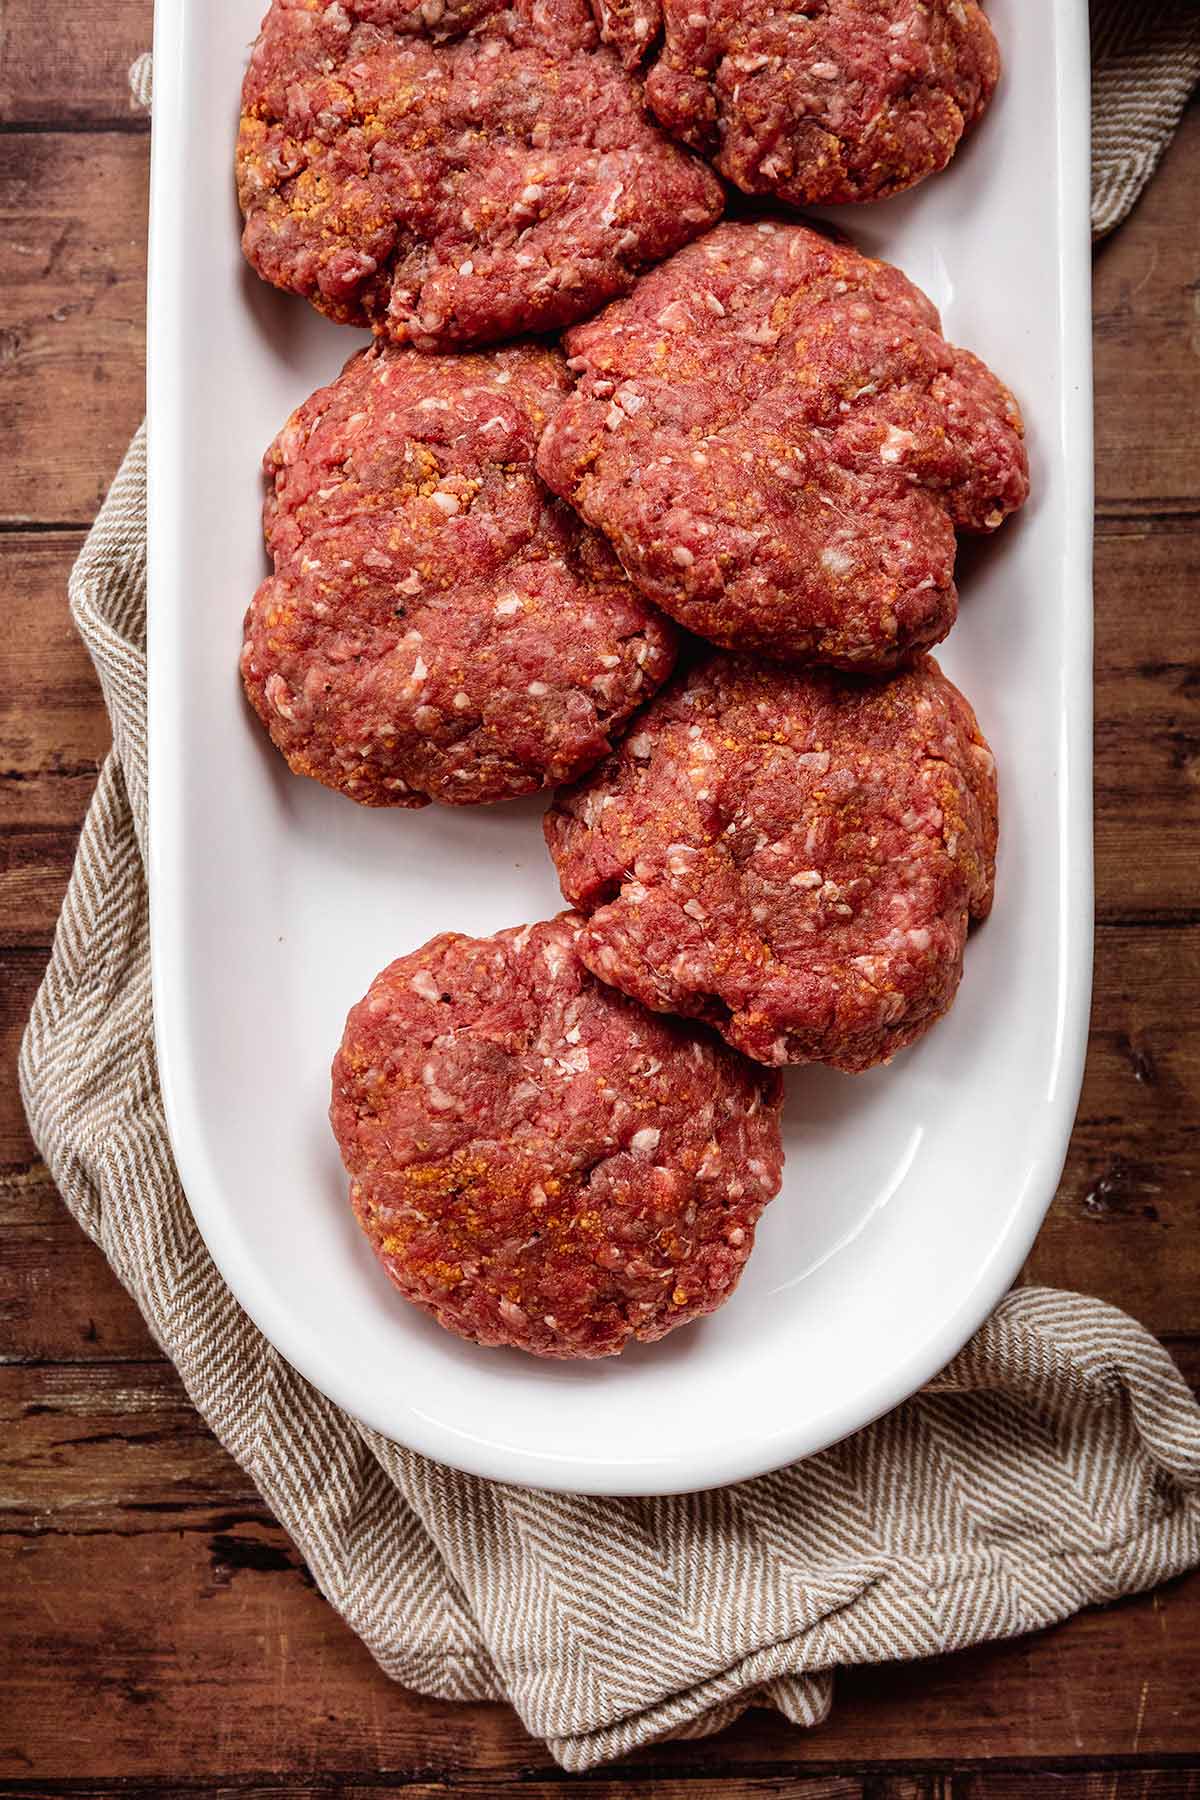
x: 1014, y: 1784
x: 767, y: 1787
x: 59, y: 1300
x: 1147, y: 339
x: 1147, y: 710
x: 1164, y: 1784
x: 72, y: 337
x: 77, y: 72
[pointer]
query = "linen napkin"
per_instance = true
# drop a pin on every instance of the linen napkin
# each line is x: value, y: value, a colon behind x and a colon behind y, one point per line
x: 1055, y: 1463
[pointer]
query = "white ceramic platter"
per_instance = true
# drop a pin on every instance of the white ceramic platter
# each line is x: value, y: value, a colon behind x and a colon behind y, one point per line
x: 912, y: 1194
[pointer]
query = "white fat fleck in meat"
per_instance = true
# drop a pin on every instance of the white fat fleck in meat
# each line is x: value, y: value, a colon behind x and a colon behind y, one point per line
x: 645, y: 1142
x: 280, y: 696
x: 895, y: 444
x: 447, y: 503
x: 836, y: 561
x: 673, y: 317
x: 527, y: 200
x: 608, y: 211
x: 423, y: 983
x: 506, y: 606
x: 555, y: 958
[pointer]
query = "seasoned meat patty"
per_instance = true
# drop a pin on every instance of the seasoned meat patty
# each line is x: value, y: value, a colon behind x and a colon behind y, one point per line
x: 438, y: 625
x: 780, y: 444
x: 792, y: 857
x: 539, y: 1162
x: 453, y: 173
x: 825, y: 101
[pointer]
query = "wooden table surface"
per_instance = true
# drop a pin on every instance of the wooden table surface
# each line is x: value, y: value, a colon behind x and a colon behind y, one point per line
x: 157, y: 1630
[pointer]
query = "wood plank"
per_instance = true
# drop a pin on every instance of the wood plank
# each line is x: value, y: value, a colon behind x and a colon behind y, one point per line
x: 20, y: 974
x: 1130, y: 1783
x: 77, y: 72
x: 1098, y: 1784
x: 53, y: 733
x: 72, y: 317
x: 52, y: 718
x: 1146, y: 325
x: 100, y: 1444
x: 59, y: 1300
x: 1147, y: 708
x: 1125, y: 1224
x: 750, y: 1787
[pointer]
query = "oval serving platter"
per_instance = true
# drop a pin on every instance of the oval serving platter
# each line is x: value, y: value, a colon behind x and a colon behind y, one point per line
x: 911, y: 1195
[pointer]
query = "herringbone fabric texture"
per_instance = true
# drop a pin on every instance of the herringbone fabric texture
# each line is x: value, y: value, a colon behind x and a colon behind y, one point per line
x: 1145, y: 64
x: 1055, y: 1463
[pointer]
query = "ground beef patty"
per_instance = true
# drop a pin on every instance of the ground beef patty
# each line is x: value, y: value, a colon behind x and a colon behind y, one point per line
x: 830, y: 100
x: 779, y: 443
x: 456, y: 171
x: 539, y: 1162
x: 438, y: 625
x: 793, y: 858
